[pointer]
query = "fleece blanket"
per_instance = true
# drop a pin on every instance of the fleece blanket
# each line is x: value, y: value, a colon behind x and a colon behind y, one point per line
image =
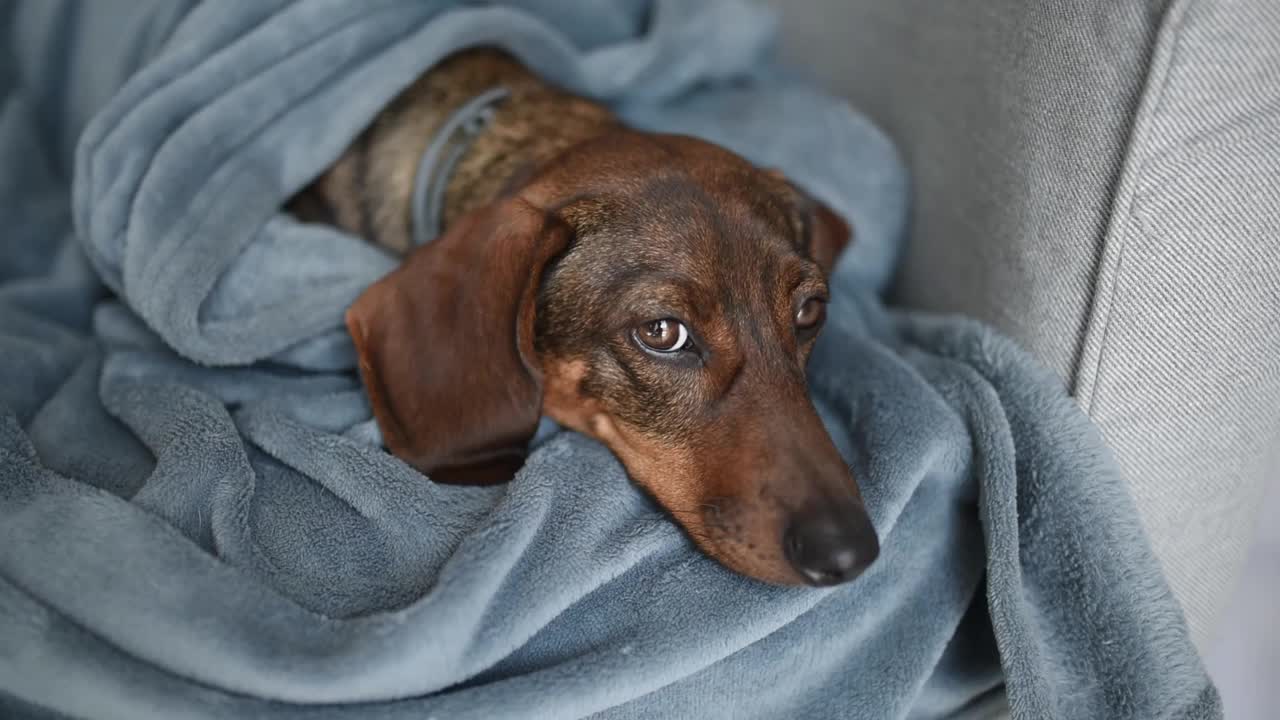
x: 197, y: 519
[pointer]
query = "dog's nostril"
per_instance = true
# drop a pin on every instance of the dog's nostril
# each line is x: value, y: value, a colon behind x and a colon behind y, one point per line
x: 793, y: 545
x: 829, y: 549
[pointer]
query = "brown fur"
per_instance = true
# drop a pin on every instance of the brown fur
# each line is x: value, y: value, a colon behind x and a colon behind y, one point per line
x: 564, y: 232
x: 368, y: 189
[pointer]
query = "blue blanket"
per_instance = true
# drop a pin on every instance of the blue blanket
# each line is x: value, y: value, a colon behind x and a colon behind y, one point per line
x: 196, y: 517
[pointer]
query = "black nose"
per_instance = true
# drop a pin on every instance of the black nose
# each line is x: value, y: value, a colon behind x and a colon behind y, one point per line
x: 831, y: 546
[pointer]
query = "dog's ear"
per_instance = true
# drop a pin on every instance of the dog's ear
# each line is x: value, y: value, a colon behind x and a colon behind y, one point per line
x: 825, y: 233
x: 445, y: 344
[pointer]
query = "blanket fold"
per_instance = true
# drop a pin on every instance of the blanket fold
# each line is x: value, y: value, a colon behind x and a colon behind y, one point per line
x: 197, y: 519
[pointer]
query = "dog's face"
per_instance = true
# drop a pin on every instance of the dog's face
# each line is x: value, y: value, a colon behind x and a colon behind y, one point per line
x: 661, y: 295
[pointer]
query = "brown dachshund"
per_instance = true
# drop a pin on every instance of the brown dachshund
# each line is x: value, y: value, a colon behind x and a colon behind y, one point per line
x: 654, y: 292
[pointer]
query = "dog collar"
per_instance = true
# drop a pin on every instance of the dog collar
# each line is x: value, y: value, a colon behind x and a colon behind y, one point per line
x: 441, y: 158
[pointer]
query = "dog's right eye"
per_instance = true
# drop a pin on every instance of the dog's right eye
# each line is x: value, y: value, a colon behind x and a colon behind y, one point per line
x: 811, y: 314
x: 663, y: 336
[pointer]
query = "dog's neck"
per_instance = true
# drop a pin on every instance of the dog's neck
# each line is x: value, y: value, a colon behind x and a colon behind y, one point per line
x: 369, y: 190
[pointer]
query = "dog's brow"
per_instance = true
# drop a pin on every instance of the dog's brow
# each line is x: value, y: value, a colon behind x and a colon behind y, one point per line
x: 628, y: 281
x: 676, y: 191
x: 801, y: 272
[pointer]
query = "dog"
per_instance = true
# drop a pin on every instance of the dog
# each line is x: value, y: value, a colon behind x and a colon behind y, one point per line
x: 655, y: 292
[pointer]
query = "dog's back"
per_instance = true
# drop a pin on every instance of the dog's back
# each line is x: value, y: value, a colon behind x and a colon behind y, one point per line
x: 369, y: 189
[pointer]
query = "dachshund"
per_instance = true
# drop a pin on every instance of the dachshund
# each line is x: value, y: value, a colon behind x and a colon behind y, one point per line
x: 655, y: 292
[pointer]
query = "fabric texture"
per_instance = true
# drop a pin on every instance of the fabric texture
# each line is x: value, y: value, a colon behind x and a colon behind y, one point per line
x: 1097, y: 180
x: 1181, y: 360
x: 196, y: 519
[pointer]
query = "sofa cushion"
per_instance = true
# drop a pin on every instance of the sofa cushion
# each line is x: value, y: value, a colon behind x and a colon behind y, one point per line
x: 1099, y: 181
x: 1180, y: 361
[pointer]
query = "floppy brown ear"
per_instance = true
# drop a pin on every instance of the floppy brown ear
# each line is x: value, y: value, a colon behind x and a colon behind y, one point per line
x: 445, y: 343
x: 826, y: 233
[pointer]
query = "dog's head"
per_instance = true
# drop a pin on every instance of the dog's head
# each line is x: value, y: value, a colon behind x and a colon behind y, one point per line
x: 657, y: 293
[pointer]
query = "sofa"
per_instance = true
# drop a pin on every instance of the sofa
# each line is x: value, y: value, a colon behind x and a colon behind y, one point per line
x: 1101, y: 181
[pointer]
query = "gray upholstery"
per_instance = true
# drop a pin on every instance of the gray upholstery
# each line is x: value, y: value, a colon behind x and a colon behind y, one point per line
x: 1101, y: 181
x: 1181, y: 359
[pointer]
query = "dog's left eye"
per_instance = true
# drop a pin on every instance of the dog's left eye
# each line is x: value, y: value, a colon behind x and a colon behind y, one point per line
x: 811, y: 313
x: 663, y: 336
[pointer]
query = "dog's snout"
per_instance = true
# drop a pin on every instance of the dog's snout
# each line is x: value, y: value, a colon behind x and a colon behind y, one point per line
x: 831, y: 546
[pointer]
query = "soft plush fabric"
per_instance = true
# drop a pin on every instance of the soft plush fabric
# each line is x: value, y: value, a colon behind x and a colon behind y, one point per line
x: 1098, y: 180
x: 196, y: 519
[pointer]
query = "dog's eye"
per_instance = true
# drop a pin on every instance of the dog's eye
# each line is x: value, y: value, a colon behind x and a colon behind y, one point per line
x: 811, y: 313
x: 663, y: 336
